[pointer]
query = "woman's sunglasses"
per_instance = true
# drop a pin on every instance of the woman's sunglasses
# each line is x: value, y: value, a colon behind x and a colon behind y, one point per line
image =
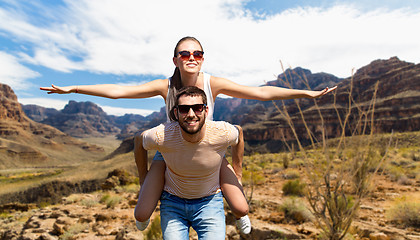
x: 197, y: 108
x: 185, y: 55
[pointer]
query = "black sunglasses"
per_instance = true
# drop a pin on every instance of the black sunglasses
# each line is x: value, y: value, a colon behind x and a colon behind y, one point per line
x: 185, y: 55
x: 197, y: 108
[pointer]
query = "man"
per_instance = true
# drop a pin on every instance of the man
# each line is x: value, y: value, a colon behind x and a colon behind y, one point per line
x: 193, y: 149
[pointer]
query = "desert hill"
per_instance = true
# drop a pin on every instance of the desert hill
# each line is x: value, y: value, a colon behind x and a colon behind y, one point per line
x: 26, y: 143
x: 396, y: 107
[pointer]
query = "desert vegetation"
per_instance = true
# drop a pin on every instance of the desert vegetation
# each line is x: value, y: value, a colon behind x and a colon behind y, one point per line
x: 390, y: 207
x: 360, y: 184
x: 340, y: 172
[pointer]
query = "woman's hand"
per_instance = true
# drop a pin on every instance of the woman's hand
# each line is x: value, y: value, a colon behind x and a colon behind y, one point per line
x: 316, y: 94
x: 59, y: 90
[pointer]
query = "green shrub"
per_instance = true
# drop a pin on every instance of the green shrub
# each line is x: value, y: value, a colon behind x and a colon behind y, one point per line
x: 405, y: 213
x: 415, y: 156
x: 285, y: 161
x: 89, y: 203
x: 110, y: 200
x: 73, y: 230
x: 294, y: 188
x: 155, y: 231
x: 254, y: 176
x: 113, y: 201
x: 295, y: 210
x: 291, y: 174
x: 131, y: 188
x: 105, y: 197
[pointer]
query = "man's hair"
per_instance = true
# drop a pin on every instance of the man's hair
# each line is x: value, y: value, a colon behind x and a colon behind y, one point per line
x: 191, y: 91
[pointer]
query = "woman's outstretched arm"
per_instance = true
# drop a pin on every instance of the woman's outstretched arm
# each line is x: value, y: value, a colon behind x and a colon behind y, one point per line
x: 263, y: 93
x: 114, y: 91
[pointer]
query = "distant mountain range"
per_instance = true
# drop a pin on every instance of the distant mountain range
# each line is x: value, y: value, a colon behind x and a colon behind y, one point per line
x: 26, y: 143
x: 397, y: 108
x: 83, y: 119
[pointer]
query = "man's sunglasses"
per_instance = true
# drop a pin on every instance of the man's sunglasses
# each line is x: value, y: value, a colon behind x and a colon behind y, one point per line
x: 185, y: 55
x: 197, y: 108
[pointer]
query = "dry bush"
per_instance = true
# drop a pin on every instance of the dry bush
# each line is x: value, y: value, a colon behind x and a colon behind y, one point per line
x: 111, y: 200
x: 405, y: 213
x: 339, y: 172
x: 294, y: 188
x: 252, y: 175
x: 154, y: 231
x: 73, y: 231
x: 295, y: 210
x: 291, y: 174
x: 89, y: 203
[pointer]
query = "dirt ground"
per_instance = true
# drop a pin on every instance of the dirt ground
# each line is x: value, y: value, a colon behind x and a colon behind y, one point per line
x: 96, y: 220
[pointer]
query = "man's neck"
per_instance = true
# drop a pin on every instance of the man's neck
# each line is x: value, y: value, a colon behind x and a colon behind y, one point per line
x: 196, y: 137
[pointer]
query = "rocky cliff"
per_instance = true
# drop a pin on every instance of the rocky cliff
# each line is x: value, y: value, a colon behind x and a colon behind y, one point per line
x: 396, y: 106
x: 37, y: 113
x: 26, y: 143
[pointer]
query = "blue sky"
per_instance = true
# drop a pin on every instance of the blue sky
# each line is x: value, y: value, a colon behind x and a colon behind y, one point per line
x: 130, y: 42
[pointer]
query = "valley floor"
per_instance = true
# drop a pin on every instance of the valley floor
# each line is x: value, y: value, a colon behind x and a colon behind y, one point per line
x: 109, y: 215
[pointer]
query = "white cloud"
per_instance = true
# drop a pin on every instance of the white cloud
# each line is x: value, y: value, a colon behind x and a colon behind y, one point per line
x: 15, y: 74
x: 134, y: 37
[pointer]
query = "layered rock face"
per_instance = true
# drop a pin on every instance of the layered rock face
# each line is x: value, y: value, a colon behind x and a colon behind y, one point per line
x: 37, y: 113
x: 25, y: 143
x: 390, y: 89
x: 80, y: 119
x: 9, y: 107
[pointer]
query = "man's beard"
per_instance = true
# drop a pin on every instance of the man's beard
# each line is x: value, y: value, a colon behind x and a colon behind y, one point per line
x: 194, y: 131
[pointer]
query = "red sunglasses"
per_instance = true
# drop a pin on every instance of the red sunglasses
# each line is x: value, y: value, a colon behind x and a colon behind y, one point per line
x: 185, y: 55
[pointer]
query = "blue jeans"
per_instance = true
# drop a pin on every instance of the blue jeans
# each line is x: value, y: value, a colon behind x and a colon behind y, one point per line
x: 205, y: 215
x: 158, y: 156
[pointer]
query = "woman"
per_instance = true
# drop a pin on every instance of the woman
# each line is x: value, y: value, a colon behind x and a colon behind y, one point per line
x: 188, y: 59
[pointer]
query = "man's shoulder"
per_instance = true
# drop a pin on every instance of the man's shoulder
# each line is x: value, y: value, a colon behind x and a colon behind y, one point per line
x: 168, y: 126
x: 164, y: 127
x: 220, y: 125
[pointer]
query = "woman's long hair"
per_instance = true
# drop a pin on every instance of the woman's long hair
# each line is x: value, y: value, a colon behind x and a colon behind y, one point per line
x: 175, y: 81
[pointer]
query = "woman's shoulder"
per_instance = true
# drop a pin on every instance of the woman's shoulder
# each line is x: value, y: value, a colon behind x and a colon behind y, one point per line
x: 162, y: 81
x: 161, y: 85
x: 219, y: 85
